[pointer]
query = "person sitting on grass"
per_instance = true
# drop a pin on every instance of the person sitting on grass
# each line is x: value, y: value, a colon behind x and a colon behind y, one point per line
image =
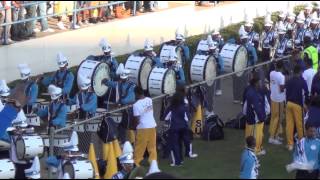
x: 249, y: 161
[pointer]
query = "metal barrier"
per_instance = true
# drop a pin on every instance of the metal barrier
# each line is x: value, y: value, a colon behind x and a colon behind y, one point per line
x: 85, y: 138
x: 74, y: 12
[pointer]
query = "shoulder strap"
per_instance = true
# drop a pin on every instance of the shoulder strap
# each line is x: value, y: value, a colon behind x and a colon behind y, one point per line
x: 28, y: 89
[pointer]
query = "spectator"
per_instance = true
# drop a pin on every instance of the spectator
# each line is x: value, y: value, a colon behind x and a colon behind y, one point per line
x: 249, y: 161
x: 296, y: 93
x: 42, y: 11
x: 18, y: 30
x: 314, y: 114
x: 146, y: 128
x: 30, y: 25
x: 5, y: 17
x: 61, y: 7
x: 309, y: 73
x: 315, y: 89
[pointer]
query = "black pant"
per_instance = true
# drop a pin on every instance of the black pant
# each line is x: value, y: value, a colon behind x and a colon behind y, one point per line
x: 177, y: 136
x: 301, y: 174
x: 5, y: 154
x: 20, y: 170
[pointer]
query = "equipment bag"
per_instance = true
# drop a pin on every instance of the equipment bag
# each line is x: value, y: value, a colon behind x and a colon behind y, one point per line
x: 213, y: 129
x: 237, y: 123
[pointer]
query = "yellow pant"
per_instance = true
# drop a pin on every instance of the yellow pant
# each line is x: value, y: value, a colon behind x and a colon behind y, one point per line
x: 131, y: 136
x: 294, y: 118
x: 255, y: 130
x: 277, y: 117
x: 145, y: 139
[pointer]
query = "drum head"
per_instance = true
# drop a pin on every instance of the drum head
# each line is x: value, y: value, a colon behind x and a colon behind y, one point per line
x: 20, y: 148
x: 241, y: 60
x: 101, y: 72
x: 210, y: 71
x: 179, y: 52
x: 145, y: 70
x: 68, y: 168
x: 169, y: 84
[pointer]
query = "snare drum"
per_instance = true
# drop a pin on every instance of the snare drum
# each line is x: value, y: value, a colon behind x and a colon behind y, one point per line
x: 80, y: 127
x: 162, y: 81
x: 117, y: 117
x: 93, y: 126
x: 96, y: 71
x: 235, y: 58
x: 203, y: 46
x: 167, y: 48
x: 203, y: 68
x: 140, y: 68
x: 7, y: 169
x: 4, y: 146
x: 79, y: 169
x: 60, y: 140
x: 28, y: 147
x: 33, y: 120
x: 44, y: 105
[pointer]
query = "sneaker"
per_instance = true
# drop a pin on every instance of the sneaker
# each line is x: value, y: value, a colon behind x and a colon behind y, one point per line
x: 219, y: 93
x: 36, y: 30
x: 262, y: 153
x: 193, y: 156
x: 48, y: 30
x: 274, y: 141
x: 290, y: 147
x: 61, y: 25
x: 279, y: 138
x: 75, y: 26
x: 236, y: 102
x: 9, y: 41
x: 175, y: 165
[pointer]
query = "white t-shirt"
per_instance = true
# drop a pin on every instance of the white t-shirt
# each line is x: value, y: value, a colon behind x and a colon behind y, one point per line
x: 308, y: 76
x: 144, y: 109
x: 277, y: 79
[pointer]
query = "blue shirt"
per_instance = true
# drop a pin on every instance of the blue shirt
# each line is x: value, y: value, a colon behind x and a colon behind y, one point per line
x: 297, y: 90
x: 59, y: 110
x: 58, y: 80
x: 86, y: 100
x: 126, y: 91
x: 315, y: 89
x: 253, y: 57
x: 31, y: 92
x: 113, y: 65
x: 7, y: 115
x: 178, y: 117
x: 249, y: 165
x: 312, y: 151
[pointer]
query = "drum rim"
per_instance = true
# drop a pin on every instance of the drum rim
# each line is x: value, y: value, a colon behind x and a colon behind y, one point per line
x: 234, y: 58
x: 70, y: 162
x: 139, y: 75
x: 205, y: 64
x: 170, y: 43
x: 39, y: 155
x: 162, y: 85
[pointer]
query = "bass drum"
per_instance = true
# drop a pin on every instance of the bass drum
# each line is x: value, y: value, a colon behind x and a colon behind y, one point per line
x: 162, y: 81
x: 203, y: 68
x: 167, y: 48
x: 97, y: 71
x: 29, y: 147
x: 140, y: 68
x: 79, y: 169
x: 7, y: 169
x: 235, y: 58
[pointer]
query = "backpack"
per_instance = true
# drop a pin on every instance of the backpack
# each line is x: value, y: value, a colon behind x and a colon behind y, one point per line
x: 107, y: 131
x: 237, y: 123
x: 213, y: 129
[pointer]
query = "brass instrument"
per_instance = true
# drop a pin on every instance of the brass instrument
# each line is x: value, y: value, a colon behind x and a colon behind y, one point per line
x: 262, y: 37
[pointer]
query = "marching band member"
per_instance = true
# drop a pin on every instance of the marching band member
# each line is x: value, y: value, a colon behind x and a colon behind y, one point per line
x: 285, y: 45
x: 282, y: 19
x: 85, y: 99
x: 314, y: 28
x: 57, y: 110
x: 239, y: 83
x: 289, y: 22
x: 300, y: 33
x: 126, y: 162
x: 63, y: 78
x: 31, y: 90
x: 180, y: 41
x: 317, y: 9
x: 269, y: 39
x: 108, y: 58
x: 253, y: 37
x: 256, y: 107
x: 148, y: 52
x: 216, y: 37
x: 307, y: 14
x: 4, y: 92
x: 249, y: 161
x: 171, y: 63
x: 214, y: 51
x: 124, y: 96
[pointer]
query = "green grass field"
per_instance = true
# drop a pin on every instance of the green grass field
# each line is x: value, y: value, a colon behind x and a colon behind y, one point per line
x: 221, y: 159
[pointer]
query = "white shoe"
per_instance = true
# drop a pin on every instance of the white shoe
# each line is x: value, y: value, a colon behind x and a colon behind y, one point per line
x: 75, y: 26
x: 61, y: 25
x: 262, y: 153
x: 48, y: 30
x: 174, y: 165
x: 193, y: 155
x: 219, y: 93
x: 36, y: 30
x: 290, y: 147
x: 274, y: 141
x: 236, y: 102
x: 279, y: 138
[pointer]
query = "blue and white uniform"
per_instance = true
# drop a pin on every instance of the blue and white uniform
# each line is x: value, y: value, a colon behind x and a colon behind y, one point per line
x: 249, y: 168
